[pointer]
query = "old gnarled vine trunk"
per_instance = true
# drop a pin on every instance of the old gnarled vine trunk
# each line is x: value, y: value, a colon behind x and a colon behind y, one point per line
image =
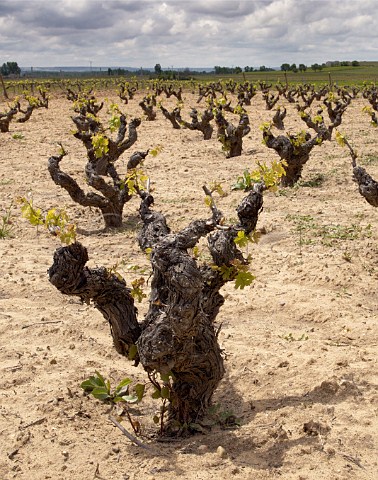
x: 111, y: 191
x: 295, y: 156
x: 177, y: 335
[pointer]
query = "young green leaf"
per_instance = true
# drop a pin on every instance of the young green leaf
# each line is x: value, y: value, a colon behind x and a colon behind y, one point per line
x: 243, y: 279
x: 242, y: 239
x: 101, y: 393
x: 123, y: 387
x: 129, y: 398
x: 100, y: 378
x: 166, y: 376
x: 156, y: 394
x: 340, y: 139
x: 137, y: 289
x: 133, y: 350
x: 33, y: 215
x: 156, y: 150
x: 139, y: 390
x: 165, y: 392
x: 100, y: 145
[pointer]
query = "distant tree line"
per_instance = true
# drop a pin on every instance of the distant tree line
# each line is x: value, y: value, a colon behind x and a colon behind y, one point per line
x: 171, y: 74
x: 11, y: 68
x: 336, y: 63
x: 286, y: 67
x: 118, y: 71
x: 229, y: 70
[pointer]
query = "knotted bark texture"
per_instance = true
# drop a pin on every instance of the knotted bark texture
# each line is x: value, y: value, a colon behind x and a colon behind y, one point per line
x: 178, y: 335
x: 367, y: 186
x: 108, y: 293
x: 231, y: 136
x: 294, y: 153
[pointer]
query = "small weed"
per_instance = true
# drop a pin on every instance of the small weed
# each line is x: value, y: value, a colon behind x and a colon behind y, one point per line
x: 6, y: 181
x: 334, y: 172
x: 343, y: 293
x: 97, y: 386
x: 18, y: 136
x: 315, y: 182
x: 303, y: 224
x: 369, y: 160
x: 6, y: 224
x: 347, y: 256
x: 225, y: 418
x: 286, y: 192
x: 329, y: 234
x: 290, y: 337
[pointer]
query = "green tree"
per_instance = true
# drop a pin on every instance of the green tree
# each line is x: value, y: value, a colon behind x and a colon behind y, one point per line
x: 302, y: 67
x: 285, y: 67
x: 10, y: 68
x: 158, y: 69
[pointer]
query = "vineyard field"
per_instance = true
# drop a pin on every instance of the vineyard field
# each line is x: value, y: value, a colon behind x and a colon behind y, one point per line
x: 300, y: 343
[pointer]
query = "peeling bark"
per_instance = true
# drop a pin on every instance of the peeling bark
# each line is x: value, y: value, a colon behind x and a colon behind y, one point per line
x: 111, y: 202
x: 127, y: 92
x: 246, y: 92
x: 170, y: 90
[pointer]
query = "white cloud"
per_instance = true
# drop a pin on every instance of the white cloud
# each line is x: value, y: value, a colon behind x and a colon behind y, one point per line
x: 186, y: 32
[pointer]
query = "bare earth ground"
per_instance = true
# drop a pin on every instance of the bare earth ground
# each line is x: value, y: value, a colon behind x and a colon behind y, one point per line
x: 300, y: 343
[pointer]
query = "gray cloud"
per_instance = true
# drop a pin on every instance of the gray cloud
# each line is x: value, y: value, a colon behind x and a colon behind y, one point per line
x: 187, y: 32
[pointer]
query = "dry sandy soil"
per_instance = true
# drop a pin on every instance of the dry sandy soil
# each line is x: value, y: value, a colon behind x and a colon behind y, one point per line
x: 300, y: 343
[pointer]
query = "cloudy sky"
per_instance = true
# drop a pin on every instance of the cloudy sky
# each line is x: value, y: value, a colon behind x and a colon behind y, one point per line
x: 186, y: 33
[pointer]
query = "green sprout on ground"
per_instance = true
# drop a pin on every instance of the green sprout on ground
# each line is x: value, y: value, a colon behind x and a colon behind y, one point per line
x: 6, y: 223
x: 99, y: 388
